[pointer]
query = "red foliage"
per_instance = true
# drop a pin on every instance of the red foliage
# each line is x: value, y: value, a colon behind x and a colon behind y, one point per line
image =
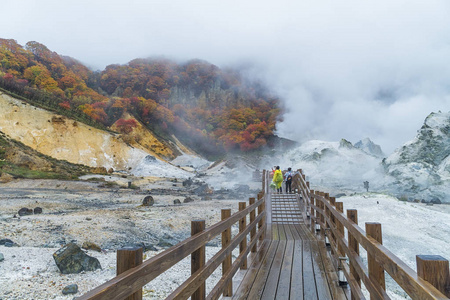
x: 65, y: 105
x: 126, y: 126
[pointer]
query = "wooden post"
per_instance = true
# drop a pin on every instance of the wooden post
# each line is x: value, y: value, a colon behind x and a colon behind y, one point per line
x: 127, y: 258
x: 319, y: 205
x: 264, y: 180
x: 434, y: 269
x: 261, y: 222
x: 352, y: 214
x: 340, y: 227
x: 252, y: 218
x: 198, y: 259
x: 243, y: 244
x: 312, y: 215
x: 226, y: 265
x: 376, y: 271
x: 328, y: 214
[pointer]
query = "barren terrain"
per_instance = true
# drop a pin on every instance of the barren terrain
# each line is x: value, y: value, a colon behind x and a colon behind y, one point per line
x: 94, y: 211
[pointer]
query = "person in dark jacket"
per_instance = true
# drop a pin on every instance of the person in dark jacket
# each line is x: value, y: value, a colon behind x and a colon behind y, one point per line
x: 288, y: 179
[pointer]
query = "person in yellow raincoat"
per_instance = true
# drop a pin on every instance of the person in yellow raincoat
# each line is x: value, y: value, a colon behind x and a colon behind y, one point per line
x: 278, y: 179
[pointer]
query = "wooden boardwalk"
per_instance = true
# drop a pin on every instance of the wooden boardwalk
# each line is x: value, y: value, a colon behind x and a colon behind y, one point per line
x: 290, y: 263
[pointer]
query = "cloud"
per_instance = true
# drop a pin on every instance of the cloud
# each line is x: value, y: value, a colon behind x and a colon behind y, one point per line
x: 343, y: 69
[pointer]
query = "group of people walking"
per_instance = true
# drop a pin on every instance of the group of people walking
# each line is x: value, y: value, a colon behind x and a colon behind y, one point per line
x: 278, y: 179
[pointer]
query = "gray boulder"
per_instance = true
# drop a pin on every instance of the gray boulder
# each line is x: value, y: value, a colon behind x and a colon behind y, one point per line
x: 25, y: 211
x: 177, y: 202
x: 7, y: 243
x: 71, y: 259
x: 2, y: 258
x: 188, y: 199
x: 148, y: 201
x: 70, y: 289
x: 37, y: 210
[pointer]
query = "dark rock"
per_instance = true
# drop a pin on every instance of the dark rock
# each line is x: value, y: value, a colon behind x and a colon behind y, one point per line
x: 164, y: 244
x: 340, y: 195
x: 221, y: 197
x: 70, y: 289
x: 207, y: 198
x: 71, y: 259
x: 8, y: 243
x: 203, y: 189
x: 25, y: 211
x: 436, y: 201
x: 243, y: 189
x: 145, y: 247
x: 188, y: 182
x: 148, y: 201
x: 37, y: 210
x: 188, y: 199
x: 176, y: 201
x: 91, y: 246
x: 4, y: 241
x: 2, y: 258
x: 149, y: 159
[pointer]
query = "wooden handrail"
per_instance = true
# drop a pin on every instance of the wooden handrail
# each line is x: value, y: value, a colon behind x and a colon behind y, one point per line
x: 329, y: 217
x: 134, y: 279
x: 185, y: 290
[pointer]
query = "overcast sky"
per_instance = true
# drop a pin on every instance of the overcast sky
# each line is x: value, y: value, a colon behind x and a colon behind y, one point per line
x: 344, y: 69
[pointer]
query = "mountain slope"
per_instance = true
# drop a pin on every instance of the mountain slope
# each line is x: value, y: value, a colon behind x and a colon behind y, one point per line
x: 212, y: 110
x: 420, y: 169
x: 370, y: 147
x: 75, y: 142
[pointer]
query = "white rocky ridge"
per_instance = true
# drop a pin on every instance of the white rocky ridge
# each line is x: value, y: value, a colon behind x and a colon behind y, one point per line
x: 420, y: 169
x: 370, y: 147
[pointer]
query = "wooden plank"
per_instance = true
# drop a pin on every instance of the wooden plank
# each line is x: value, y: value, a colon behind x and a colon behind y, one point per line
x: 330, y: 271
x: 289, y: 235
x: 281, y: 232
x: 271, y: 284
x: 309, y: 283
x: 249, y: 278
x: 322, y: 284
x: 228, y: 276
x: 284, y: 282
x: 268, y: 231
x: 275, y: 234
x: 296, y: 289
x: 260, y: 280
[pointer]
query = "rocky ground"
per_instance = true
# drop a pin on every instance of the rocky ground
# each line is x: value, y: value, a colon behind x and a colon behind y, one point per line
x: 100, y: 212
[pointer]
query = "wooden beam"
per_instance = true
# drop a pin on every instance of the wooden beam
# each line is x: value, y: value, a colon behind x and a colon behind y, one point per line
x: 128, y: 258
x: 226, y: 265
x: 198, y: 259
x: 376, y: 271
x: 243, y: 244
x: 434, y: 269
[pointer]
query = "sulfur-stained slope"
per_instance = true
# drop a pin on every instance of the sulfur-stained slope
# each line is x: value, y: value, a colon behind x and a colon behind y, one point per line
x: 66, y: 139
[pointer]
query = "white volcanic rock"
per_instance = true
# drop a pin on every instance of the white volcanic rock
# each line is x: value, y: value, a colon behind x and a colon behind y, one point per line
x: 420, y: 169
x: 370, y: 147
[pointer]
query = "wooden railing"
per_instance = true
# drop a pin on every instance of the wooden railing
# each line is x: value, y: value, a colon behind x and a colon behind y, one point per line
x: 135, y: 273
x: 327, y: 220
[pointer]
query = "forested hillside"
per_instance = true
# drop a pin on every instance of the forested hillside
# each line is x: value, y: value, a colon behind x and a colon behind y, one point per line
x: 210, y: 109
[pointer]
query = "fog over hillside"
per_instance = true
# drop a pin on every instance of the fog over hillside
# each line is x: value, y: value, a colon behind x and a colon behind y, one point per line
x: 347, y: 70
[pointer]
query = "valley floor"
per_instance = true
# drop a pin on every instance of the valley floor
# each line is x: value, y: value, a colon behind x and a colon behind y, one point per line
x: 113, y: 217
x: 87, y: 212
